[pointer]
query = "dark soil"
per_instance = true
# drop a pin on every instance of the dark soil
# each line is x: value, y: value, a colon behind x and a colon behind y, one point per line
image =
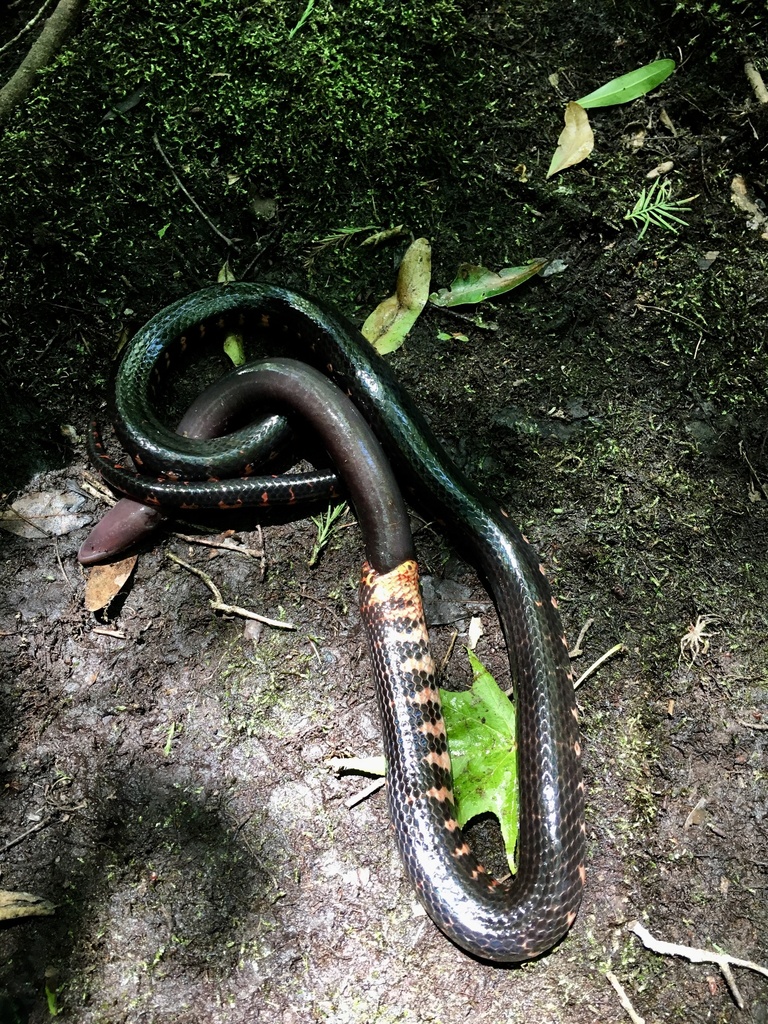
x: 165, y: 768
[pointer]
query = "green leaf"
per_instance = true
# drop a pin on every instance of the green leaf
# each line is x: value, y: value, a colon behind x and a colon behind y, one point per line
x: 474, y: 284
x: 302, y: 19
x: 656, y: 206
x: 629, y: 87
x: 483, y: 747
x: 225, y: 275
x: 234, y: 347
x: 388, y: 325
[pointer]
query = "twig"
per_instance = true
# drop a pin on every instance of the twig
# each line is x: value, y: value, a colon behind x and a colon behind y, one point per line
x: 699, y: 956
x: 624, y: 998
x: 189, y: 196
x: 94, y: 486
x: 756, y: 81
x: 61, y: 565
x: 577, y: 649
x: 358, y: 798
x: 670, y: 312
x: 116, y: 634
x: 753, y: 471
x: 224, y: 541
x: 444, y: 663
x: 27, y: 28
x: 30, y: 831
x: 218, y: 605
x: 323, y: 604
x: 753, y: 725
x: 51, y: 38
x: 618, y: 649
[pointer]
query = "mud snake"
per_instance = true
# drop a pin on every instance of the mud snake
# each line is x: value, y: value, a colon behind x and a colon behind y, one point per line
x: 507, y: 921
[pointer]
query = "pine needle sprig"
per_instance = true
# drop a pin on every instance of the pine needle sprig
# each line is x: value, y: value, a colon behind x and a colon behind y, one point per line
x: 656, y: 206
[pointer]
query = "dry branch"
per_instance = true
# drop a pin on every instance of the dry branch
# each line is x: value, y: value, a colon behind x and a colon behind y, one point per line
x: 41, y: 52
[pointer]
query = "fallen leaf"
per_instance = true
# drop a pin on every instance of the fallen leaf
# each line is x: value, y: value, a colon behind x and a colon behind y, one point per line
x: 576, y: 140
x: 662, y: 168
x: 474, y: 632
x: 474, y: 284
x: 742, y: 201
x: 630, y: 86
x: 106, y: 581
x: 23, y: 904
x: 666, y: 120
x: 264, y: 209
x: 379, y: 237
x: 705, y: 262
x: 44, y: 514
x: 387, y: 326
x: 234, y: 347
x: 637, y: 140
x: 698, y: 815
x: 481, y: 740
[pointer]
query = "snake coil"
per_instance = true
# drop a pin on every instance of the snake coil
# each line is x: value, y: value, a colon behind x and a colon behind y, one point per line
x: 506, y: 921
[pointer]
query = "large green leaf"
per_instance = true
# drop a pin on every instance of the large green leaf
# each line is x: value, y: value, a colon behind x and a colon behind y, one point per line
x: 474, y: 284
x: 629, y: 87
x: 387, y: 326
x: 482, y: 741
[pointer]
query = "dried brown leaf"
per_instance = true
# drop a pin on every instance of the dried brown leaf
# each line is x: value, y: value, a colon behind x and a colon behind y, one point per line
x: 576, y: 140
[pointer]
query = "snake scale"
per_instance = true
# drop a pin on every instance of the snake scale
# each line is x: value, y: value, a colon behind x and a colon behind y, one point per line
x: 504, y: 921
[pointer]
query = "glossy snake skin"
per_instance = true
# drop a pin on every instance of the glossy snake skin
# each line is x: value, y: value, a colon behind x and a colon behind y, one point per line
x: 506, y: 921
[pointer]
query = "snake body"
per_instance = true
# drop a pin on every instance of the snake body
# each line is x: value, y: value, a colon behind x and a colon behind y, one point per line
x: 506, y: 921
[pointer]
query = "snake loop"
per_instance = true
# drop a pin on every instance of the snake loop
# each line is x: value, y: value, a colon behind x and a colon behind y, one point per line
x: 502, y: 921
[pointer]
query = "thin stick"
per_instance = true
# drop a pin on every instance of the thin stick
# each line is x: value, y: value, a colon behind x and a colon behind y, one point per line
x: 27, y: 28
x: 577, y: 649
x: 669, y: 312
x: 753, y: 471
x: 52, y: 35
x: 227, y: 543
x: 624, y: 998
x: 189, y: 196
x: 116, y: 634
x: 218, y: 605
x: 358, y: 798
x: 756, y: 81
x: 30, y: 831
x: 99, y: 493
x: 444, y: 663
x: 699, y: 956
x: 618, y: 649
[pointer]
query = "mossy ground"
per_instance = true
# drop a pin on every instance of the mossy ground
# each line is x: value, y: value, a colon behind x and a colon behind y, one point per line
x: 612, y: 408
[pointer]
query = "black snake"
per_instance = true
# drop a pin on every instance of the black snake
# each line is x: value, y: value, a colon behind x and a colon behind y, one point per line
x: 504, y: 921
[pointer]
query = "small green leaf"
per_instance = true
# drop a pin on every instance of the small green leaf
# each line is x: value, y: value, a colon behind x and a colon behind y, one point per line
x: 656, y: 206
x: 234, y: 347
x: 302, y: 19
x: 629, y: 87
x: 474, y: 284
x: 169, y: 739
x: 483, y: 747
x: 161, y: 231
x: 225, y: 275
